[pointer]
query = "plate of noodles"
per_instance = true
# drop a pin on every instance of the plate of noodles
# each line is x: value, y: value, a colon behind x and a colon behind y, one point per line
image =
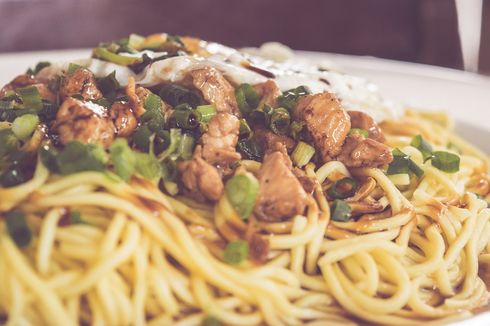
x: 166, y: 180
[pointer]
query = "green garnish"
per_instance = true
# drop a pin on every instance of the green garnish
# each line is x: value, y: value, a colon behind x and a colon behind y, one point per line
x: 250, y: 150
x: 340, y: 211
x: 185, y: 119
x: 211, y: 321
x: 39, y: 66
x: 403, y: 164
x: 24, y: 126
x: 445, y: 161
x: 358, y: 131
x: 290, y: 97
x: 76, y: 218
x: 247, y: 98
x: 280, y: 121
x: 296, y: 129
x: 241, y: 191
x: 30, y: 97
x: 72, y: 67
x: 123, y: 60
x: 174, y: 95
x: 77, y: 157
x: 148, y: 166
x: 108, y: 85
x: 245, y: 132
x: 302, y: 154
x: 207, y: 112
x: 18, y: 229
x: 236, y: 252
x: 123, y: 158
x: 344, y: 188
x: 153, y: 102
x: 423, y: 146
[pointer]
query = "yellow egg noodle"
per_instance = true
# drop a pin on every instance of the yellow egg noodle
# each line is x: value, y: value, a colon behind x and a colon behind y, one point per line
x: 143, y: 258
x: 90, y: 248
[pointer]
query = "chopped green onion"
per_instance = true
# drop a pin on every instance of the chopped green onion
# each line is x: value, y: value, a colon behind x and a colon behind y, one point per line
x: 108, y: 85
x: 340, y: 210
x: 153, y: 103
x: 72, y: 67
x: 245, y: 131
x: 48, y: 112
x: 280, y: 121
x: 445, y: 161
x: 185, y: 119
x: 148, y: 166
x: 135, y: 41
x: 30, y: 97
x: 24, y: 126
x: 250, y: 150
x: 76, y: 218
x: 77, y: 157
x: 141, y: 138
x: 122, y: 158
x: 302, y: 154
x: 175, y: 138
x: 358, y: 131
x: 423, y: 146
x: 105, y: 54
x: 290, y: 97
x: 9, y: 143
x: 161, y: 141
x: 18, y: 229
x: 174, y: 95
x: 344, y: 188
x: 169, y: 170
x: 296, y: 129
x: 247, y: 98
x: 207, y: 112
x: 403, y: 164
x: 153, y: 119
x: 236, y: 252
x: 183, y: 107
x: 48, y: 156
x: 211, y: 321
x: 241, y: 191
x: 12, y: 177
x: 259, y: 118
x: 186, y: 146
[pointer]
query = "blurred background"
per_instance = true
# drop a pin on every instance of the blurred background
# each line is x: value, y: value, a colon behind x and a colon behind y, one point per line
x: 424, y: 31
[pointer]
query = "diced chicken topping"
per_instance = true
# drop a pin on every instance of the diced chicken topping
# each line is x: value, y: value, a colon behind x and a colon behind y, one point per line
x: 364, y: 121
x: 219, y: 142
x: 215, y: 89
x: 269, y: 140
x: 200, y: 179
x: 123, y: 117
x: 29, y: 80
x: 281, y: 195
x: 268, y: 92
x: 326, y: 121
x: 83, y: 121
x: 80, y: 82
x: 364, y: 152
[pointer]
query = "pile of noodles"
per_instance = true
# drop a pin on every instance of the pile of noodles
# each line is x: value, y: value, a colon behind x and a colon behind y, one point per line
x: 145, y: 258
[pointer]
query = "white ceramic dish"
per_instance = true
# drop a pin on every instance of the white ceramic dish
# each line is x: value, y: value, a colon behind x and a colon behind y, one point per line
x: 466, y: 96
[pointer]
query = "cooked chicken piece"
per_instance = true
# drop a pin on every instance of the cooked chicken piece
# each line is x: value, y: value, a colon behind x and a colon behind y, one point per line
x: 267, y: 140
x: 201, y: 179
x: 123, y: 117
x: 219, y: 142
x: 215, y: 89
x: 268, y: 92
x: 326, y: 121
x: 83, y: 121
x: 281, y: 195
x: 80, y: 82
x: 364, y: 152
x: 29, y: 80
x: 137, y: 96
x: 259, y: 247
x: 364, y: 121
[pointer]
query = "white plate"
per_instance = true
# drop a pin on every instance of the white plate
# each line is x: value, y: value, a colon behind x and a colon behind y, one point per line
x: 465, y: 96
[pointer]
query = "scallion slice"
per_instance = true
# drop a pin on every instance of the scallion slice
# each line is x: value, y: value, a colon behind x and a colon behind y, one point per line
x: 148, y: 166
x: 245, y: 131
x: 403, y: 164
x: 236, y: 252
x: 105, y: 54
x: 340, y: 211
x: 186, y: 146
x: 358, y: 131
x: 207, y: 112
x: 290, y: 97
x: 423, y: 146
x: 123, y: 158
x: 30, y: 97
x: 108, y: 85
x: 72, y: 67
x: 174, y: 95
x: 296, y: 129
x: 24, y: 126
x: 77, y: 157
x: 250, y: 150
x: 18, y: 229
x: 344, y: 188
x: 302, y: 154
x: 445, y: 161
x: 153, y: 102
x: 280, y: 121
x: 241, y: 191
x: 247, y: 98
x: 185, y: 119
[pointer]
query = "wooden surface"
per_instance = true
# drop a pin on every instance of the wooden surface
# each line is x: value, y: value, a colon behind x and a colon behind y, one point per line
x: 411, y: 30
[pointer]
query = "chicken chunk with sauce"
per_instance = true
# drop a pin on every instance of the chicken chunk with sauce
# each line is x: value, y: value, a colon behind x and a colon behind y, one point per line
x: 364, y: 152
x: 80, y: 82
x: 86, y: 122
x: 281, y: 195
x: 29, y: 80
x: 364, y: 121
